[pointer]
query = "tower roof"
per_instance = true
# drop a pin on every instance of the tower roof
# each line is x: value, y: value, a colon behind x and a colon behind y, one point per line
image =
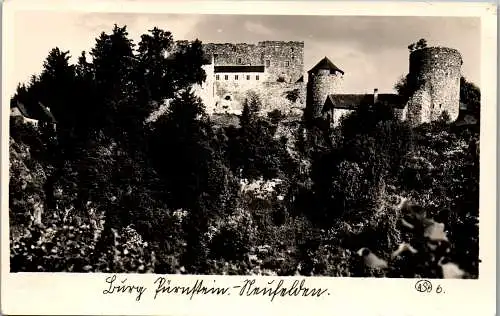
x: 326, y: 63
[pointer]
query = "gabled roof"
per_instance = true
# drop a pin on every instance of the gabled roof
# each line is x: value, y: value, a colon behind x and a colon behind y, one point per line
x: 393, y: 99
x: 325, y: 63
x: 346, y: 101
x: 48, y: 116
x: 35, y: 112
x: 238, y: 68
x: 22, y: 109
x: 352, y: 101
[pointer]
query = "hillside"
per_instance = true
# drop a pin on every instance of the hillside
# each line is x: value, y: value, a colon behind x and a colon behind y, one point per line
x: 109, y: 189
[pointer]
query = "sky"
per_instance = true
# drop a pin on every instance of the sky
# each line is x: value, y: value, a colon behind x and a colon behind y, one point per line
x: 372, y: 50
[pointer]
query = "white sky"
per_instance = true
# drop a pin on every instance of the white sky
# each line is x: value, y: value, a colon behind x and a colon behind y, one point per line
x: 372, y: 50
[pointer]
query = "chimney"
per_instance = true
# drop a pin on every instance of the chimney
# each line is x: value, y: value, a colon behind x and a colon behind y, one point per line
x: 375, y: 95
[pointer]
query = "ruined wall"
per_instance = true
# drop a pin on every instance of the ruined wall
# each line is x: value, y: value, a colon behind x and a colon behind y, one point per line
x: 282, y: 59
x: 230, y: 96
x: 435, y: 76
x: 273, y: 96
x: 227, y: 54
x: 319, y: 86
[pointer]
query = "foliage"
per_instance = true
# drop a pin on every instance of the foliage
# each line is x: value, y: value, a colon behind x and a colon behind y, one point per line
x: 293, y: 95
x: 107, y: 191
x: 253, y: 149
x: 470, y: 95
x: 421, y: 43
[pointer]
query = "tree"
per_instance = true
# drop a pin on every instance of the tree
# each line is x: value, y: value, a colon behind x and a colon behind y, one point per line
x: 421, y: 43
x: 181, y: 150
x: 470, y: 95
x: 255, y: 152
x: 186, y: 65
x: 113, y: 66
x: 153, y: 67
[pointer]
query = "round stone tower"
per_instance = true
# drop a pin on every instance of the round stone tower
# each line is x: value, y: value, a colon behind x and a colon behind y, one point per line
x: 435, y: 79
x: 323, y: 79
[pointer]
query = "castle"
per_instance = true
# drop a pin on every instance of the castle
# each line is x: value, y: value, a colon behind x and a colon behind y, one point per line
x: 270, y: 69
x: 274, y: 71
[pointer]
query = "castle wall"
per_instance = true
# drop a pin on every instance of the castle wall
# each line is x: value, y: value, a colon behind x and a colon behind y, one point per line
x: 271, y: 94
x: 435, y: 75
x: 241, y: 79
x: 206, y: 91
x: 227, y: 54
x: 282, y: 59
x: 418, y: 109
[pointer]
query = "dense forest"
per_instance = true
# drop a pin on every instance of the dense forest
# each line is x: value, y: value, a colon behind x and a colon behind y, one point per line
x: 106, y: 189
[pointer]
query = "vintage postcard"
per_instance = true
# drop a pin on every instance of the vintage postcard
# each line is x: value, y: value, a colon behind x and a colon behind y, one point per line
x: 248, y: 158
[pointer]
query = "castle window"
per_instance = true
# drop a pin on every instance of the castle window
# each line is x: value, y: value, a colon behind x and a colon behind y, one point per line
x: 268, y: 63
x: 215, y: 57
x: 257, y: 77
x: 226, y: 77
x: 291, y: 49
x: 287, y: 63
x: 217, y: 77
x: 235, y: 77
x: 248, y: 77
x: 239, y: 61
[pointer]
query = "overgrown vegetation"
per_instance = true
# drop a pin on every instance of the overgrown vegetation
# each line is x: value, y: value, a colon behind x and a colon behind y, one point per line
x: 109, y: 191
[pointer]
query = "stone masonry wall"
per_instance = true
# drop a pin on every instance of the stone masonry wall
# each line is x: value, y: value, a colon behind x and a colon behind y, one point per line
x: 282, y: 59
x: 230, y: 96
x: 320, y: 85
x: 435, y: 75
x: 286, y: 60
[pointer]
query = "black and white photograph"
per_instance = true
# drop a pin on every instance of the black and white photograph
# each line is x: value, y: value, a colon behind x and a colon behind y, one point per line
x: 247, y: 145
x: 258, y: 145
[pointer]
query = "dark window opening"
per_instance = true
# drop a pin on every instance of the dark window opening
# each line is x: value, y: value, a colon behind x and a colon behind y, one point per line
x: 227, y: 97
x: 226, y: 77
x: 217, y: 77
x: 257, y: 77
x: 239, y: 61
x: 248, y: 77
x: 268, y: 63
x: 235, y: 77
